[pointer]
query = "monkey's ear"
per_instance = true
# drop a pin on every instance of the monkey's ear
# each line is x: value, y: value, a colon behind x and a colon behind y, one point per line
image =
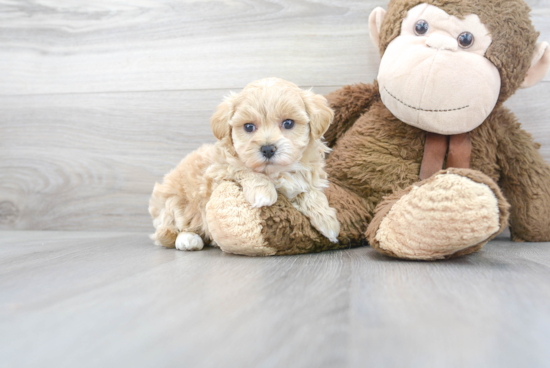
x: 220, y: 120
x: 539, y: 65
x: 375, y: 22
x: 319, y: 112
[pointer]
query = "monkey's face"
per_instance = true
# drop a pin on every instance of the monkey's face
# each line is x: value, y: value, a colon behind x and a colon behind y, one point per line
x: 434, y: 75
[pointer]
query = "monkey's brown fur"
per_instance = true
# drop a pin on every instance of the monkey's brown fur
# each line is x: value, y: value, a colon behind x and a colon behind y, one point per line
x: 375, y: 155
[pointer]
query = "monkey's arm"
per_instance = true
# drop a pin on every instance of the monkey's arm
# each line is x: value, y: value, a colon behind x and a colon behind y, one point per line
x: 525, y: 181
x: 349, y: 103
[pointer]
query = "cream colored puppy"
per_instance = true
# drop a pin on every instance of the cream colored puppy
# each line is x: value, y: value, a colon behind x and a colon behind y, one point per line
x: 269, y: 141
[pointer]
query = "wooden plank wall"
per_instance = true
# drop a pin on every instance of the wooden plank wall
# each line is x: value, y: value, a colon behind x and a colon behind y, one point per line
x: 99, y: 99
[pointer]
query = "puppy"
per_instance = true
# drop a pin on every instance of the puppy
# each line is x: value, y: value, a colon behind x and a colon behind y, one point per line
x: 269, y: 141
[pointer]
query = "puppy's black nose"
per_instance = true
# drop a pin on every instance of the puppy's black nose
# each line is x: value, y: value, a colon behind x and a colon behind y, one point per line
x: 268, y: 151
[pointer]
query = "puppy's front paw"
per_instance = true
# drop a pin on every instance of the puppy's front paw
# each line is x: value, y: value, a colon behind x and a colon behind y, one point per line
x: 260, y: 196
x: 189, y: 241
x: 327, y: 224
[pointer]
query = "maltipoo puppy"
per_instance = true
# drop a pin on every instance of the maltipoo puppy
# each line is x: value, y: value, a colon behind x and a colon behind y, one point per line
x: 269, y: 141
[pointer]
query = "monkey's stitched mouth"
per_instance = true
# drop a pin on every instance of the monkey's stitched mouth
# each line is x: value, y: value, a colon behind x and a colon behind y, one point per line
x: 420, y: 109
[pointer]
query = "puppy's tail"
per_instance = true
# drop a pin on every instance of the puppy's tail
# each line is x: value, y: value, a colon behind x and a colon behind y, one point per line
x: 162, y: 205
x: 165, y: 236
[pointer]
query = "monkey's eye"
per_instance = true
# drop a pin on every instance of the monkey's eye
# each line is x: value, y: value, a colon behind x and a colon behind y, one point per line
x: 249, y: 127
x: 465, y: 40
x: 421, y: 27
x: 288, y: 124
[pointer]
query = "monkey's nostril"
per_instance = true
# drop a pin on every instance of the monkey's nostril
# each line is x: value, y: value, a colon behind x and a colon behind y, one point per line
x: 268, y: 151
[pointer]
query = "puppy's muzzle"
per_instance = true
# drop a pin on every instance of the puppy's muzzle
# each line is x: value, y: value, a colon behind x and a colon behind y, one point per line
x: 268, y: 151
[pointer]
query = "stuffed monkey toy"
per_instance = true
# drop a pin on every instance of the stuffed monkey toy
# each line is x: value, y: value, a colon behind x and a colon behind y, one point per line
x: 426, y: 162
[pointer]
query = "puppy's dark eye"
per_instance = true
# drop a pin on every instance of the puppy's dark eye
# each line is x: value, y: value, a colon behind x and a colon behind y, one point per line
x: 249, y: 127
x: 288, y: 124
x: 421, y: 27
x: 465, y: 40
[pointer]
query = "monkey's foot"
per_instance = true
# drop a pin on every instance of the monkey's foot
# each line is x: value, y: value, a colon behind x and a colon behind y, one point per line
x: 452, y: 213
x: 237, y: 227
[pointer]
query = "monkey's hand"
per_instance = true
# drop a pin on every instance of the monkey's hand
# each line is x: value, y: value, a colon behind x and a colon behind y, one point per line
x: 525, y: 181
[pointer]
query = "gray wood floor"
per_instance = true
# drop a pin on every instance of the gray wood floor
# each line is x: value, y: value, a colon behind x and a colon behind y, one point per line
x: 75, y: 299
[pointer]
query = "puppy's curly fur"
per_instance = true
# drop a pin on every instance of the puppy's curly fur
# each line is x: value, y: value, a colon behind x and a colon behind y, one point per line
x: 269, y: 113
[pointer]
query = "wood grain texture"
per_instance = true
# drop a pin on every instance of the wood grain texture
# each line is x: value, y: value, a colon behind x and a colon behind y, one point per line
x: 98, y: 100
x: 50, y: 46
x: 89, y: 161
x: 112, y: 299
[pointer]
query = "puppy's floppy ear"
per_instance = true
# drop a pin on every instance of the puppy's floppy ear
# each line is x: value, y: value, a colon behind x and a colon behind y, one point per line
x: 319, y: 112
x: 223, y: 114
